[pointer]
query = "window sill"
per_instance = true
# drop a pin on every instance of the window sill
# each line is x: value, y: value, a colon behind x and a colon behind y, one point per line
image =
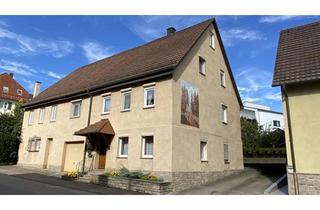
x: 40, y: 123
x: 125, y: 110
x: 223, y: 86
x: 203, y: 74
x: 148, y: 107
x: 73, y: 117
x: 34, y: 151
x: 122, y: 157
x: 225, y: 123
x: 30, y: 124
x: 204, y: 161
x: 52, y: 121
x: 146, y: 157
x: 226, y: 162
x: 105, y: 113
x: 212, y: 48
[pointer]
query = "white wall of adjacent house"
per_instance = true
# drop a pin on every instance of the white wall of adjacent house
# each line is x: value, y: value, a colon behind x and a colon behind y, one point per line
x: 6, y: 106
x: 266, y: 118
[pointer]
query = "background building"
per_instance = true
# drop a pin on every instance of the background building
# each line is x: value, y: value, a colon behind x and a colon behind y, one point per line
x: 267, y: 118
x: 10, y: 93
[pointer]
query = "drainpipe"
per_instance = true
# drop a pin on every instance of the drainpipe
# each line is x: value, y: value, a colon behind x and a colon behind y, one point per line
x: 295, y: 178
x: 88, y: 123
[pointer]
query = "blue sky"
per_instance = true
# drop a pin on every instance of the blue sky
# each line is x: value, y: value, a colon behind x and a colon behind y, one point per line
x: 46, y: 48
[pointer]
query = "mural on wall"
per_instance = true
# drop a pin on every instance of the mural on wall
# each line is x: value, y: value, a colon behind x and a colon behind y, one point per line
x: 189, y: 104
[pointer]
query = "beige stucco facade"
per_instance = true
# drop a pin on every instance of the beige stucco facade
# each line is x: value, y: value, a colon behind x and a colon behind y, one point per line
x: 176, y: 146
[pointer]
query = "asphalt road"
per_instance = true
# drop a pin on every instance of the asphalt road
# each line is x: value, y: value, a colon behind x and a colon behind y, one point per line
x: 36, y: 184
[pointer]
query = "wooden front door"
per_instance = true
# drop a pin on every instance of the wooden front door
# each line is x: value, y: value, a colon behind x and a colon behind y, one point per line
x: 102, y: 154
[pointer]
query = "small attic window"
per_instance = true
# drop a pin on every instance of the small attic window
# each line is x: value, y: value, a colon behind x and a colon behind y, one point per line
x: 5, y: 89
x: 19, y: 92
x: 211, y: 39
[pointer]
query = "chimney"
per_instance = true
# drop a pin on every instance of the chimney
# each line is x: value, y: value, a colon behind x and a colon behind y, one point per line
x: 36, y: 89
x: 170, y: 31
x: 11, y: 75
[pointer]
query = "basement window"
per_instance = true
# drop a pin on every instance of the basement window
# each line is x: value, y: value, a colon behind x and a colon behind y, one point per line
x: 226, y: 153
x: 203, y: 151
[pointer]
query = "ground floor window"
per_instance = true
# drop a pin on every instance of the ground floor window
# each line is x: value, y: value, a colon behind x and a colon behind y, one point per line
x: 203, y: 151
x: 226, y: 153
x: 123, y: 146
x: 34, y: 144
x: 147, y: 146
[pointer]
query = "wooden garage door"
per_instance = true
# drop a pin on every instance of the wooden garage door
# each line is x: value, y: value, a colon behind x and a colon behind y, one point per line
x: 73, y: 155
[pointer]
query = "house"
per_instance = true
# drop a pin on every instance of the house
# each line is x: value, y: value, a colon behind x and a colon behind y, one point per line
x: 10, y: 93
x: 268, y: 119
x: 297, y: 72
x: 170, y: 107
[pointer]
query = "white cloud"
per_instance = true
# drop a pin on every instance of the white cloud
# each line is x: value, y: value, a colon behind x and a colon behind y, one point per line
x: 17, y: 44
x: 232, y: 36
x: 55, y: 75
x: 95, y: 51
x: 273, y: 96
x: 4, y: 23
x: 276, y: 18
x: 152, y: 27
x: 16, y: 67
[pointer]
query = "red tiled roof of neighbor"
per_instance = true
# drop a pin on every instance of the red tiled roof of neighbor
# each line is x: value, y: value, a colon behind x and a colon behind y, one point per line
x: 7, y: 81
x: 298, y: 57
x: 159, y: 56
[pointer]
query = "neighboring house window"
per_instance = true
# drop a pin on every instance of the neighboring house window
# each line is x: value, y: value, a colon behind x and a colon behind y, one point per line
x: 75, y: 108
x: 31, y: 117
x: 126, y: 101
x: 19, y: 92
x: 34, y: 144
x: 123, y: 146
x: 106, y: 104
x: 7, y: 105
x: 226, y: 152
x: 149, y: 97
x: 222, y: 78
x: 53, y: 115
x: 41, y: 115
x: 211, y: 38
x: 5, y: 89
x: 203, y: 150
x: 202, y: 66
x: 276, y: 123
x: 147, y: 146
x: 224, y: 110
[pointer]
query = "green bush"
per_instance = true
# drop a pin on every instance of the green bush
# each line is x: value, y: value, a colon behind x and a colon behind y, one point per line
x: 124, y: 172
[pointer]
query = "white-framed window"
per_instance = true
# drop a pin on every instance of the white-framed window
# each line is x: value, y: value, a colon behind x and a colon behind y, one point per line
x: 19, y: 92
x: 224, y: 114
x: 123, y: 146
x: 31, y: 117
x: 126, y: 101
x: 5, y: 89
x: 106, y: 104
x: 53, y: 114
x: 149, y: 96
x: 226, y: 152
x: 276, y: 123
x: 202, y: 65
x: 222, y: 79
x: 34, y: 144
x: 7, y: 105
x: 211, y: 40
x: 41, y: 115
x: 203, y: 151
x: 147, y: 146
x: 75, y: 109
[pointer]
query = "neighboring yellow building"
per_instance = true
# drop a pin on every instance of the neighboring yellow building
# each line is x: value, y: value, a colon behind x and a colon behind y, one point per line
x: 297, y: 71
x: 170, y: 107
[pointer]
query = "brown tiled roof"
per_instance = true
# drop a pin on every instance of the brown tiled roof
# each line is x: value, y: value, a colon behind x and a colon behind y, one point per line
x: 13, y: 85
x: 163, y: 53
x: 298, y: 57
x: 101, y: 127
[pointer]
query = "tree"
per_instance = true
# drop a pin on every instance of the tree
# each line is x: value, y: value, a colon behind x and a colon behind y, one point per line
x: 250, y: 132
x: 10, y: 135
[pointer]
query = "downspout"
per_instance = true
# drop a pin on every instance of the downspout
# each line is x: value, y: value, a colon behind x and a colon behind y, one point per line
x: 295, y: 178
x: 88, y: 123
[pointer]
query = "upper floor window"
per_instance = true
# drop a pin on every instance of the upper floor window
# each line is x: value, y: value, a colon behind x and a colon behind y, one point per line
x: 75, y: 108
x: 147, y: 146
x: 211, y: 40
x: 276, y: 123
x: 202, y: 65
x: 19, y: 92
x: 224, y: 110
x: 5, y: 89
x: 126, y: 101
x: 123, y: 146
x: 31, y: 117
x: 149, y: 97
x: 203, y: 151
x: 34, y: 144
x: 53, y: 115
x: 41, y: 115
x: 226, y: 152
x: 222, y: 79
x: 106, y: 104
